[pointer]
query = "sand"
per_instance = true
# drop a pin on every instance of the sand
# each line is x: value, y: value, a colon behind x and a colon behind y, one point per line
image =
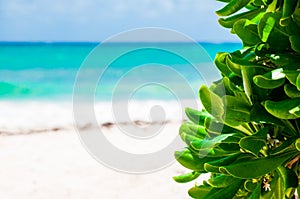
x: 56, y: 165
x: 42, y: 157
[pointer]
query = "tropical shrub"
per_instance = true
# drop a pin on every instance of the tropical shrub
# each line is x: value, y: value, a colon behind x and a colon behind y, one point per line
x: 248, y: 134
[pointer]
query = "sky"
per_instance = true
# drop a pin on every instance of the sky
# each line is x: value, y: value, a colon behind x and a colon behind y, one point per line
x: 97, y: 20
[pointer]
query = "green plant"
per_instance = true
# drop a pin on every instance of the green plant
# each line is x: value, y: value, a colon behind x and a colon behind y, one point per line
x: 248, y: 135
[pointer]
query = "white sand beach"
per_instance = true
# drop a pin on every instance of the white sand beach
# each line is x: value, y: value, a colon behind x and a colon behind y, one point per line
x: 42, y: 157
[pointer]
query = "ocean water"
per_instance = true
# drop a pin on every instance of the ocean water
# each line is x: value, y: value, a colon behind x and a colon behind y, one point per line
x: 47, y: 71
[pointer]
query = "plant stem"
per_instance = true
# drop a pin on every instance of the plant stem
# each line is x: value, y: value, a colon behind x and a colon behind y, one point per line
x: 297, y: 125
x: 290, y: 126
x: 293, y: 161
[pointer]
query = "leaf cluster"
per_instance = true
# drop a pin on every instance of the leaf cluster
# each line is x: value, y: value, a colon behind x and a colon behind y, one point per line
x: 248, y: 134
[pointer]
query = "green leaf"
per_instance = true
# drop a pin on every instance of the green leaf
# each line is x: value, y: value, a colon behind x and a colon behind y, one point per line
x: 288, y: 177
x: 292, y: 28
x: 247, y: 144
x: 250, y: 185
x: 291, y: 91
x: 285, y: 146
x: 247, y: 32
x: 195, y: 116
x: 237, y: 111
x: 281, y: 109
x: 247, y: 74
x: 198, y: 192
x: 224, y: 193
x: 211, y: 102
x: 254, y: 168
x: 229, y: 21
x: 265, y: 83
x: 213, y: 127
x: 186, y: 177
x: 235, y: 68
x: 292, y: 76
x: 270, y: 80
x: 186, y: 159
x: 220, y: 62
x: 276, y: 189
x: 295, y: 41
x: 295, y: 111
x: 297, y: 144
x: 232, y: 7
x: 213, y: 166
x: 288, y: 10
x: 260, y: 140
x: 289, y: 62
x: 192, y: 129
x: 208, y: 143
x: 298, y: 82
x: 218, y: 152
x: 221, y: 181
x: 191, y: 161
x: 256, y: 192
x: 296, y: 16
x: 260, y: 115
x: 266, y: 25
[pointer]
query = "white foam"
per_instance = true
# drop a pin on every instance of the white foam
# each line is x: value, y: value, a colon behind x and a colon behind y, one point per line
x: 38, y: 115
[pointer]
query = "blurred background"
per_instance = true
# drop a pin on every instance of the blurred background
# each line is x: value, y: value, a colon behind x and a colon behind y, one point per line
x: 43, y: 43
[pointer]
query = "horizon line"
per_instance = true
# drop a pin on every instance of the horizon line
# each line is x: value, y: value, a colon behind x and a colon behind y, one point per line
x: 94, y: 42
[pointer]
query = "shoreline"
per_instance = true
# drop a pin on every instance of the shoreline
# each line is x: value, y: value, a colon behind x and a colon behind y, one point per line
x: 27, y: 117
x: 105, y: 125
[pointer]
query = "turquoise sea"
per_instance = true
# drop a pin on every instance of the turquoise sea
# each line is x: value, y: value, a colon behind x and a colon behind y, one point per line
x: 47, y: 71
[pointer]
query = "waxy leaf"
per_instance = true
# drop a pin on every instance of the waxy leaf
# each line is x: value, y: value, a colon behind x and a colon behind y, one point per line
x: 266, y: 25
x: 292, y: 76
x: 295, y: 41
x: 237, y: 111
x: 285, y: 146
x: 291, y: 91
x: 256, y: 192
x: 297, y: 144
x: 195, y: 116
x: 296, y: 16
x: 232, y: 7
x: 289, y: 62
x: 211, y: 102
x: 208, y: 143
x: 221, y: 181
x: 254, y: 168
x: 260, y: 115
x: 193, y: 129
x: 224, y: 193
x: 220, y: 62
x: 276, y: 189
x: 186, y: 177
x: 229, y: 21
x: 191, y: 161
x: 247, y: 143
x: 199, y: 192
x: 281, y: 109
x: 287, y: 11
x: 260, y: 140
x: 250, y: 185
x: 270, y: 80
x: 247, y: 31
x: 288, y: 178
x: 298, y: 82
x: 213, y: 166
x: 295, y: 111
x: 235, y: 68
